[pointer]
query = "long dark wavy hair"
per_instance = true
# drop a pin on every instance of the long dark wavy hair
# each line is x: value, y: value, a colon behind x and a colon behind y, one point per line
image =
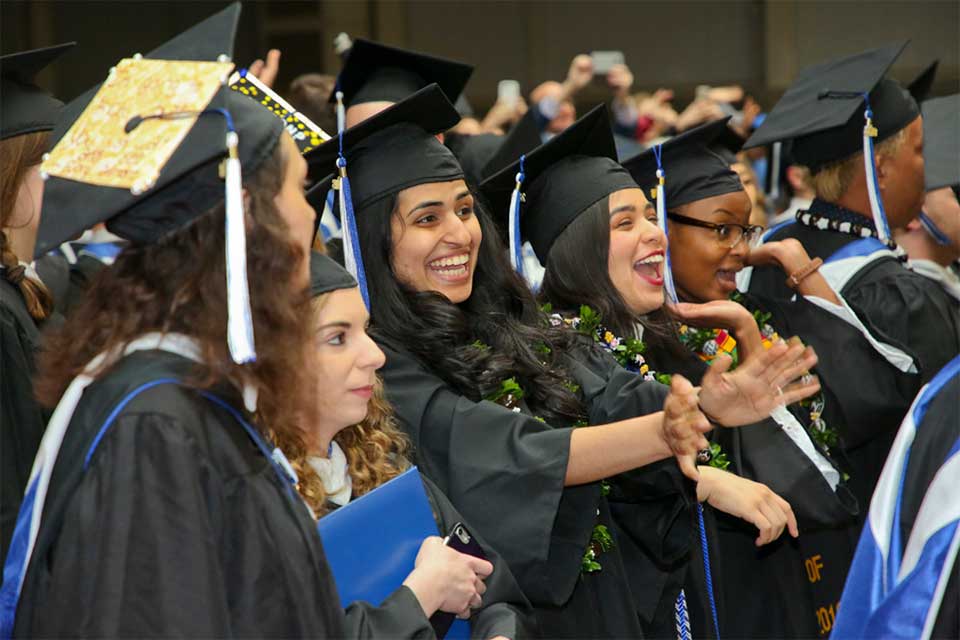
x: 178, y: 284
x: 501, y: 313
x: 576, y: 274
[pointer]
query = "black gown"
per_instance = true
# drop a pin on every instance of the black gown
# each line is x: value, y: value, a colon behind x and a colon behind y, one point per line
x: 505, y: 472
x: 766, y: 592
x: 22, y: 421
x: 179, y: 527
x: 898, y: 307
x: 508, y: 613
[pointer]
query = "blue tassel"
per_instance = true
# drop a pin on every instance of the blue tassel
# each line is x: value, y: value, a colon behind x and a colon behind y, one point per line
x: 939, y: 236
x: 352, y: 258
x: 873, y: 189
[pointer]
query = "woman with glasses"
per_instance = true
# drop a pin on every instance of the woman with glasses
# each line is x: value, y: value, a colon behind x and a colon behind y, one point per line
x: 605, y: 273
x: 604, y: 259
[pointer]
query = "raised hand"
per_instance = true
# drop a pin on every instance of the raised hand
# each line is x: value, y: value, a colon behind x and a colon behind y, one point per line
x: 684, y: 425
x: 759, y: 385
x: 266, y: 72
x: 747, y: 500
x: 580, y: 73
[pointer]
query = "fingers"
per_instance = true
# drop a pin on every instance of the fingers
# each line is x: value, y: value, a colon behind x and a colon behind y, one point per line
x: 776, y: 519
x: 481, y: 567
x: 792, y: 525
x: 760, y: 521
x: 480, y: 586
x: 684, y: 425
x: 688, y: 467
x: 799, y: 390
x: 793, y: 368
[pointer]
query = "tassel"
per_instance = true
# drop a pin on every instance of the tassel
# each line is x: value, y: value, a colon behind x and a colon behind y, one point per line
x: 774, y: 170
x: 352, y: 257
x: 876, y: 202
x: 341, y: 112
x: 239, y: 317
x: 516, y: 244
x: 662, y: 221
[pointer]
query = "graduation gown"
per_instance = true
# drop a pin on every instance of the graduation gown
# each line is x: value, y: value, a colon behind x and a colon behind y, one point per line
x: 767, y: 592
x: 505, y: 610
x: 178, y: 527
x: 22, y: 421
x: 899, y: 307
x: 505, y: 472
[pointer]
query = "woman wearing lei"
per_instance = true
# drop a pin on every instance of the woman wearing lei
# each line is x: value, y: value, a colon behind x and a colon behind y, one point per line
x: 778, y: 451
x: 490, y: 395
x: 564, y: 181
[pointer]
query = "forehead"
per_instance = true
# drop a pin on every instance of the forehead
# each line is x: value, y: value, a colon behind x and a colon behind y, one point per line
x: 432, y: 191
x: 341, y: 306
x: 728, y: 207
x: 628, y: 197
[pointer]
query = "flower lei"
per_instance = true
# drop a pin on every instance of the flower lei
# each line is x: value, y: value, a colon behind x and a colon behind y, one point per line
x: 709, y: 343
x: 628, y: 352
x: 509, y: 395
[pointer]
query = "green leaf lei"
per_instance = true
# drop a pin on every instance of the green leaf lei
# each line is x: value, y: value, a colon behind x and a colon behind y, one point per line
x: 509, y: 395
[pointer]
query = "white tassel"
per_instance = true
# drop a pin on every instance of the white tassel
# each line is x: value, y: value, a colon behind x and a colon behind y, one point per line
x: 873, y: 190
x: 341, y: 113
x: 239, y: 317
x: 662, y: 221
x: 516, y: 256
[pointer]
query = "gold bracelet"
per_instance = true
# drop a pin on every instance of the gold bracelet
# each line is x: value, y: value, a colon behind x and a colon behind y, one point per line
x: 798, y: 276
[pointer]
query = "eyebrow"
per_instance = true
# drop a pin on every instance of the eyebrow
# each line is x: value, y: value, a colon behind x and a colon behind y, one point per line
x: 335, y: 325
x: 463, y: 195
x: 622, y: 208
x: 729, y: 213
x: 425, y: 205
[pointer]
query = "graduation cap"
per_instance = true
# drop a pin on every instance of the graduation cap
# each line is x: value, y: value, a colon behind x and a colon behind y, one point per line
x: 728, y: 144
x: 394, y: 150
x: 375, y: 72
x: 326, y: 275
x: 838, y: 108
x: 555, y: 183
x: 682, y: 170
x: 921, y: 85
x: 941, y: 142
x: 307, y: 134
x: 27, y: 108
x: 483, y: 155
x: 145, y: 153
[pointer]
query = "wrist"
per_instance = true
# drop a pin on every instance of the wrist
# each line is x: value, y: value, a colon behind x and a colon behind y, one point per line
x: 420, y: 586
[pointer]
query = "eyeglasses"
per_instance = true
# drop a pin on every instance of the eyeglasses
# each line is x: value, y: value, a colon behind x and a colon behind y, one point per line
x: 728, y: 234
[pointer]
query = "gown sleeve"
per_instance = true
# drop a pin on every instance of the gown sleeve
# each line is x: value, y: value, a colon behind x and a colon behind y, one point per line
x: 399, y: 616
x: 505, y: 472
x: 912, y: 312
x: 505, y: 610
x: 21, y: 420
x: 137, y: 554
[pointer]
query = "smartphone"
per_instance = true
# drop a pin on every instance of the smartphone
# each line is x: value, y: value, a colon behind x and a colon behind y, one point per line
x: 460, y: 540
x: 508, y: 92
x: 603, y: 61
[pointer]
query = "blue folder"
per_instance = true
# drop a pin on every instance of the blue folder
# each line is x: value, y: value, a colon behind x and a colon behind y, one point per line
x: 371, y: 543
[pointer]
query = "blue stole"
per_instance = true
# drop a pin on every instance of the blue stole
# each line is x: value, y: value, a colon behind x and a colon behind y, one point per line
x: 893, y: 589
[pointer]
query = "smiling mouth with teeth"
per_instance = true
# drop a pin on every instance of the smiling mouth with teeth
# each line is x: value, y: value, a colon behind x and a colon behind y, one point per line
x: 649, y: 268
x: 451, y: 266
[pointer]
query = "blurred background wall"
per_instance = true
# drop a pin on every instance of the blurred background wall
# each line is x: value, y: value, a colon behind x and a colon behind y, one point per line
x: 760, y: 44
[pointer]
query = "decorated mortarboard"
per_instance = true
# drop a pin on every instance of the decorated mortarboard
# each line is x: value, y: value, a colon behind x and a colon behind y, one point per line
x: 941, y: 142
x: 25, y: 107
x: 302, y: 129
x: 394, y: 150
x: 375, y: 72
x: 542, y: 192
x: 159, y: 144
x: 682, y: 170
x: 839, y: 108
x: 923, y: 83
x: 327, y: 275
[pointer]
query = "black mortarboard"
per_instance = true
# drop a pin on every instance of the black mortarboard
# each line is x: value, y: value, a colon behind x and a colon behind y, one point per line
x: 941, y: 142
x: 25, y: 107
x: 692, y: 171
x: 823, y: 112
x: 395, y: 149
x: 375, y: 72
x: 921, y: 85
x: 483, y: 155
x: 728, y: 144
x: 189, y: 183
x: 326, y: 275
x: 562, y: 178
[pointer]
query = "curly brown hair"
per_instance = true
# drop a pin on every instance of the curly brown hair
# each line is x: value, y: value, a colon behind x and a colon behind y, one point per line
x: 376, y: 449
x: 178, y: 284
x: 17, y: 155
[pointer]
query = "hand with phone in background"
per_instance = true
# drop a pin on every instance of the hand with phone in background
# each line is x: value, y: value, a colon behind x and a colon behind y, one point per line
x: 461, y: 541
x: 447, y: 581
x: 507, y: 110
